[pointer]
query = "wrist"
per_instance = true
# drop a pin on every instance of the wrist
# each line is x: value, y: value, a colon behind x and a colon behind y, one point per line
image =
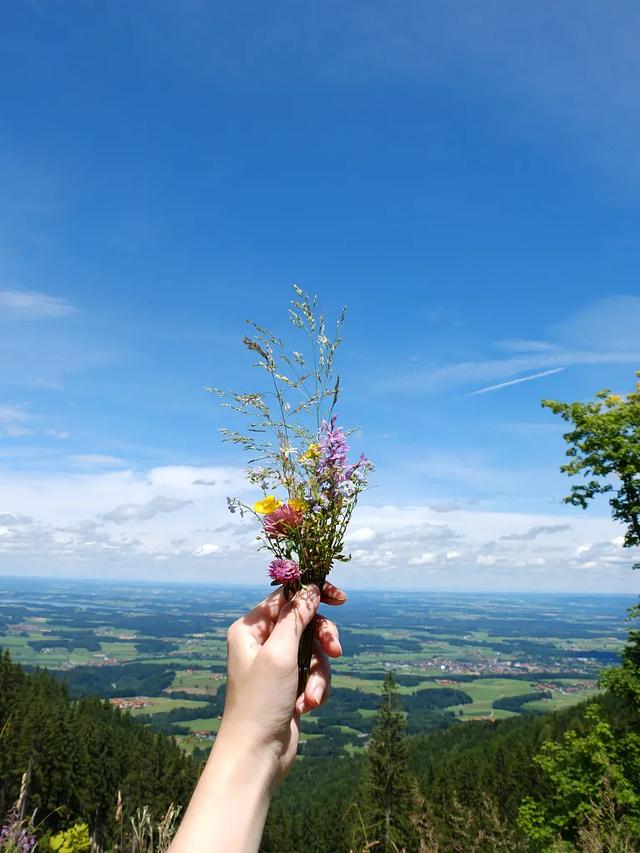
x: 242, y: 756
x: 229, y: 806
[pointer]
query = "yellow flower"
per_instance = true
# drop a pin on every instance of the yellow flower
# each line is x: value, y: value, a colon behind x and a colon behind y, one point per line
x: 267, y: 505
x: 613, y: 400
x: 297, y: 505
x: 311, y: 453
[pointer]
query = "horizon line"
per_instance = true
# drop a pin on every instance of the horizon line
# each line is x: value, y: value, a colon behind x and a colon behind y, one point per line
x: 257, y: 586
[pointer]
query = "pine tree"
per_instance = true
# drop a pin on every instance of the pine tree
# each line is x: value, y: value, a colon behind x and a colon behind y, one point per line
x: 389, y: 789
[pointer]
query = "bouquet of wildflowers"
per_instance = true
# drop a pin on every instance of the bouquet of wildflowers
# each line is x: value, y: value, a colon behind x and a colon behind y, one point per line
x: 299, y: 456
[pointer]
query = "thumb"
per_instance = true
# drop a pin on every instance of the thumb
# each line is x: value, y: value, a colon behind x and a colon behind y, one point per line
x: 295, y: 616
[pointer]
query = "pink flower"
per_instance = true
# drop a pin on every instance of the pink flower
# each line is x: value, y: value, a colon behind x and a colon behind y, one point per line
x: 284, y: 571
x: 282, y: 521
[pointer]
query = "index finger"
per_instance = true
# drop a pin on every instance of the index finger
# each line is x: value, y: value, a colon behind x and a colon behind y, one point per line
x: 332, y: 594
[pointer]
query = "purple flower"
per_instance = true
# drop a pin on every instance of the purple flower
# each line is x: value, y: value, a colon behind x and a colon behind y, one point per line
x: 362, y: 466
x: 284, y: 571
x: 333, y: 450
x: 14, y: 835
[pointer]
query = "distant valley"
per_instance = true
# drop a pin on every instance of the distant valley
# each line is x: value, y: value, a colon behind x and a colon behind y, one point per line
x: 159, y: 651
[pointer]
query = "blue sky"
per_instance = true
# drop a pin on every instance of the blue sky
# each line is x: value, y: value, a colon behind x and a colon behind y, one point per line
x: 465, y: 178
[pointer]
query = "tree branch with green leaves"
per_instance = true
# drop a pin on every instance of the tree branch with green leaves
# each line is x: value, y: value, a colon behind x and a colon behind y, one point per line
x: 604, y: 448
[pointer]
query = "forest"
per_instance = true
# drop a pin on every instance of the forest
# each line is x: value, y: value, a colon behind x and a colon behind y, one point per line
x: 83, y: 756
x: 80, y: 756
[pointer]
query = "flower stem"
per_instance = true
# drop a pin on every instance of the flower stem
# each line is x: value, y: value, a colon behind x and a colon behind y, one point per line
x: 305, y: 651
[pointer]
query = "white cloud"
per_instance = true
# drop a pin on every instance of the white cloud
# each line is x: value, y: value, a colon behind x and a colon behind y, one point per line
x: 159, y: 524
x: 488, y: 549
x: 206, y: 550
x: 143, y: 512
x: 535, y: 532
x: 489, y: 388
x: 15, y: 421
x: 184, y: 477
x: 522, y: 345
x: 30, y: 303
x: 361, y: 534
x: 121, y: 522
x: 10, y: 413
x: 14, y: 520
x: 57, y: 433
x: 423, y: 559
x: 96, y: 460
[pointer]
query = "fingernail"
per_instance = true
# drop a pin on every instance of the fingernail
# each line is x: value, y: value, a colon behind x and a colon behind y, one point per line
x: 317, y: 694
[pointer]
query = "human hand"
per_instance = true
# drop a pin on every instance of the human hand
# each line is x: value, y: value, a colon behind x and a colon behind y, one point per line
x: 262, y: 709
x: 258, y: 737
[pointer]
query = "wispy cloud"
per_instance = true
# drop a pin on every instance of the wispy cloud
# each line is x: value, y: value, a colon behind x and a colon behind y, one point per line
x: 30, y: 303
x: 143, y: 512
x: 516, y: 381
x: 14, y: 421
x: 524, y: 345
x: 609, y: 325
x: 534, y: 532
x: 96, y: 460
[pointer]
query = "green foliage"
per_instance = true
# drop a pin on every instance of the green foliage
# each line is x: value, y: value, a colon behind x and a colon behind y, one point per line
x: 600, y: 765
x: 625, y: 680
x: 389, y: 790
x: 579, y: 769
x: 308, y: 810
x: 472, y: 778
x: 72, y: 840
x: 604, y: 446
x: 518, y: 704
x: 131, y: 679
x: 80, y: 754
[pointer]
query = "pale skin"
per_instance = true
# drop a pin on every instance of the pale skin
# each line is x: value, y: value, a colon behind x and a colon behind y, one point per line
x: 258, y: 737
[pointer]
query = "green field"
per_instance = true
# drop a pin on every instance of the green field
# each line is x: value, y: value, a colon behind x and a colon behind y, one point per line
x: 169, y: 643
x: 560, y: 700
x: 162, y: 704
x: 209, y: 724
x: 199, y: 682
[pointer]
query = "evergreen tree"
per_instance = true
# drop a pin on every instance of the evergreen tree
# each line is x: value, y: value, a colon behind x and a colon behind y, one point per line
x: 389, y: 789
x: 80, y: 754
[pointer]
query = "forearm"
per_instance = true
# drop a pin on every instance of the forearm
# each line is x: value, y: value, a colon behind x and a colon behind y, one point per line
x: 230, y: 803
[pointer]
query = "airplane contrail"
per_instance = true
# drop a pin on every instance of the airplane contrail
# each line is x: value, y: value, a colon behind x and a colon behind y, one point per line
x: 516, y: 381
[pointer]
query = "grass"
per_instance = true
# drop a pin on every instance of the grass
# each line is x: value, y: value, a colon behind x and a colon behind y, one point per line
x: 484, y: 691
x: 208, y: 724
x: 201, y: 682
x: 560, y: 699
x: 349, y: 730
x: 116, y: 649
x: 162, y: 704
